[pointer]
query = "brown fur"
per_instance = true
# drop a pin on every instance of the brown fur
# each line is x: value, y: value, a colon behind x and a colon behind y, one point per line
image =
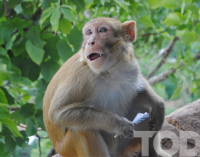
x: 84, y: 108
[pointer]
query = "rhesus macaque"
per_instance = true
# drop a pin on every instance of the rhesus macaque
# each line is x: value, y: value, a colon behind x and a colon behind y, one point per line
x: 98, y: 92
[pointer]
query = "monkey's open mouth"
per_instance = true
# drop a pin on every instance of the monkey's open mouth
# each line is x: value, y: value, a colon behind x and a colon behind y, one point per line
x: 93, y: 56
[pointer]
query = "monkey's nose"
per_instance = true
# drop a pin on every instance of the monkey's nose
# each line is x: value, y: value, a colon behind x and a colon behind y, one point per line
x: 91, y: 43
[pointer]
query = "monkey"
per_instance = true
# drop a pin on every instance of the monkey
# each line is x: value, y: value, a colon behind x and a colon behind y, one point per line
x: 97, y: 93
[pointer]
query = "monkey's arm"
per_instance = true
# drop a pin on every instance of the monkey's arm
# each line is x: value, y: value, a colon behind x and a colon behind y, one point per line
x: 157, y: 107
x: 79, y: 115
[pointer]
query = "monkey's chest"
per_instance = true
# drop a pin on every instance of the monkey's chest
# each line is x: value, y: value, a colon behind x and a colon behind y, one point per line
x: 116, y: 99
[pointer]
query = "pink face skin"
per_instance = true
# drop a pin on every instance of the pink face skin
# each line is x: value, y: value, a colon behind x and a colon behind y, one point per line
x: 95, y: 35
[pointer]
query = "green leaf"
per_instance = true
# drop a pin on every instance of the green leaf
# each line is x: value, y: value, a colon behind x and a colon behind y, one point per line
x: 39, y: 100
x: 32, y: 91
x: 19, y: 48
x: 27, y: 110
x: 9, y: 97
x: 188, y: 37
x: 55, y: 19
x: 188, y: 59
x: 2, y: 51
x: 0, y: 126
x: 28, y: 68
x: 64, y: 51
x: 68, y: 14
x: 171, y: 31
x: 13, y: 3
x: 9, y: 43
x: 22, y: 141
x: 2, y: 150
x: 177, y: 64
x: 88, y: 3
x: 12, y: 126
x: 197, y: 93
x: 28, y: 7
x: 173, y: 19
x: 197, y: 81
x: 42, y: 85
x: 65, y: 26
x: 50, y: 48
x: 10, y: 143
x: 31, y: 127
x: 25, y: 81
x: 39, y: 119
x: 171, y: 4
x: 45, y: 4
x: 3, y: 73
x: 3, y: 98
x: 103, y: 1
x: 4, y: 112
x: 46, y: 14
x: 20, y: 23
x: 33, y: 34
x: 76, y: 42
x: 153, y: 4
x: 49, y: 68
x: 35, y: 53
x: 146, y: 21
x: 123, y: 4
x: 66, y: 6
x: 6, y: 30
x: 177, y: 91
x: 197, y: 28
x: 80, y: 5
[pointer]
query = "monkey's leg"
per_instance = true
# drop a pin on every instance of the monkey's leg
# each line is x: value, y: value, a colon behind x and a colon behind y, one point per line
x: 133, y: 148
x: 87, y: 143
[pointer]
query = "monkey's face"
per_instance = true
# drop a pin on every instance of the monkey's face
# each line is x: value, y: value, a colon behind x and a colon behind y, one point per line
x: 104, y: 41
x: 98, y: 38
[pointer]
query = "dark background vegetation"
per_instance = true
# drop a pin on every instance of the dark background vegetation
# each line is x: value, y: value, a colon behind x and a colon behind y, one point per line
x: 38, y: 36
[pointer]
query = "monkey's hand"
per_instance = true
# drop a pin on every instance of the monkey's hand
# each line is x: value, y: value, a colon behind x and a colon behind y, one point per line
x: 125, y: 128
x: 157, y: 117
x: 152, y: 126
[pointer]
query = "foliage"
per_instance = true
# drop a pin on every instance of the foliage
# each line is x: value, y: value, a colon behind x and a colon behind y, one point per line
x: 38, y: 36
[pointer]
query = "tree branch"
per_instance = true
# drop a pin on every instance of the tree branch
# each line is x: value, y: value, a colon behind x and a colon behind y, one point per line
x: 39, y: 144
x: 166, y: 52
x: 164, y: 75
x: 142, y: 62
x: 7, y: 13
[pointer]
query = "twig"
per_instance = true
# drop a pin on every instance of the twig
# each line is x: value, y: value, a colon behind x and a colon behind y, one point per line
x: 19, y: 97
x: 152, y: 60
x: 164, y: 75
x: 13, y: 108
x: 142, y: 62
x: 47, y: 26
x: 148, y: 34
x: 7, y: 13
x: 167, y: 51
x: 52, y: 152
x: 39, y: 138
x: 37, y: 14
x: 29, y: 5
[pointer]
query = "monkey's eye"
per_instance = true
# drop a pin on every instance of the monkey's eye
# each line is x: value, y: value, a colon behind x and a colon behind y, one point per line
x: 103, y: 30
x: 89, y: 32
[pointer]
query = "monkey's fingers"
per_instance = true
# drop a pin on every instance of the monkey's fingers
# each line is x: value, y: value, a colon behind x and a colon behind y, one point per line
x: 152, y: 126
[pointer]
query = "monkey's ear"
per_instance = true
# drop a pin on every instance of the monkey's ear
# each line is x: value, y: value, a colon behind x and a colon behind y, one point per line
x: 130, y: 28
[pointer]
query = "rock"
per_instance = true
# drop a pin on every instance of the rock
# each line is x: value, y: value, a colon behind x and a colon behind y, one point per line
x: 185, y: 124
